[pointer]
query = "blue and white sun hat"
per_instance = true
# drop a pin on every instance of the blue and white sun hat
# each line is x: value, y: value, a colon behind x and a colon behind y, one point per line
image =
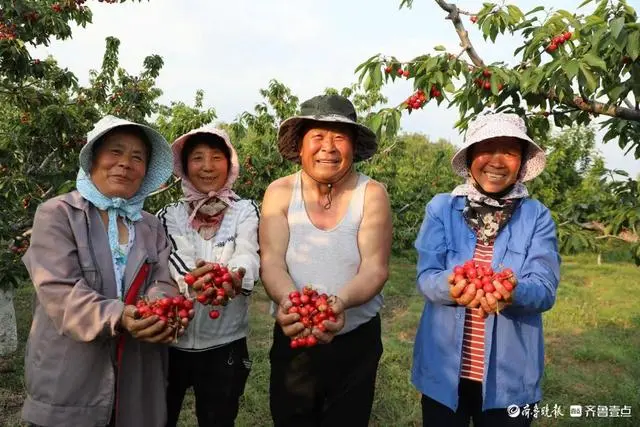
x: 161, y: 158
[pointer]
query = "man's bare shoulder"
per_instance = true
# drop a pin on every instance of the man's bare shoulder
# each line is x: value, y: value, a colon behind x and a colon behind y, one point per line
x: 278, y: 193
x: 282, y: 184
x: 376, y: 191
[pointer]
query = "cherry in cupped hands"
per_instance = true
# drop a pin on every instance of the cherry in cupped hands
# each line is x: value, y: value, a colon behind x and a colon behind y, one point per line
x: 214, y: 284
x: 310, y: 318
x: 475, y: 285
x: 161, y: 320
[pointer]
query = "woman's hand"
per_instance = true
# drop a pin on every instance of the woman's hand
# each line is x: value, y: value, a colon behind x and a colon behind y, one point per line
x: 465, y: 293
x: 150, y: 329
x: 203, y: 275
x: 495, y: 301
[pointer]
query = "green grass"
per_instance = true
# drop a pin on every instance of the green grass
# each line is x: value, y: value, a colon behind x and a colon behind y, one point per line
x: 592, y: 349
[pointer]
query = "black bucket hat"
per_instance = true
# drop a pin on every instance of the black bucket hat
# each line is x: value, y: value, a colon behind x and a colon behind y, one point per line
x: 326, y: 108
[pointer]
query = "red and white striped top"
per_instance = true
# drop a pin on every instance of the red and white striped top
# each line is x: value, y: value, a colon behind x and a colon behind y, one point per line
x: 473, y: 338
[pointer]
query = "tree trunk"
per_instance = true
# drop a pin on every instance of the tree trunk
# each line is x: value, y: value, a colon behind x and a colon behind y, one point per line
x: 599, y: 259
x: 8, y: 330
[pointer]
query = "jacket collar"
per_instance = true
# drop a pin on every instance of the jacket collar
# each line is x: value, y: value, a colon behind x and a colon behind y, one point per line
x: 138, y: 252
x: 459, y: 202
x: 74, y: 199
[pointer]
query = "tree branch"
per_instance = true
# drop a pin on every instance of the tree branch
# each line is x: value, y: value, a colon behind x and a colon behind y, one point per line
x: 162, y: 190
x: 596, y: 107
x: 465, y: 43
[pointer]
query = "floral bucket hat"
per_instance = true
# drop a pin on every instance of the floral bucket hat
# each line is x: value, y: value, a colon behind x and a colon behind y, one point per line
x: 496, y: 125
x: 326, y: 108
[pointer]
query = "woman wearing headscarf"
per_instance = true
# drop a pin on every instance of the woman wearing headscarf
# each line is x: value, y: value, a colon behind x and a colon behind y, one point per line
x: 90, y: 360
x: 480, y: 355
x: 211, y: 224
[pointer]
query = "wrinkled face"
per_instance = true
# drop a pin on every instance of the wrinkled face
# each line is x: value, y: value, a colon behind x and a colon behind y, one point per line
x: 207, y: 168
x: 326, y: 152
x: 119, y: 165
x: 496, y: 162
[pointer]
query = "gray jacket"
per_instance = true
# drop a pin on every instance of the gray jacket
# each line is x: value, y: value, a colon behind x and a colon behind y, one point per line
x: 70, y: 362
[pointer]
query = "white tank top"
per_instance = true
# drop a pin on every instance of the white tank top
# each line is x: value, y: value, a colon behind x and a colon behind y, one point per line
x: 328, y: 259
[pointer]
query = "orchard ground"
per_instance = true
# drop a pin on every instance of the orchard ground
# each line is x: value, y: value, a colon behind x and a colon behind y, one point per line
x: 592, y: 353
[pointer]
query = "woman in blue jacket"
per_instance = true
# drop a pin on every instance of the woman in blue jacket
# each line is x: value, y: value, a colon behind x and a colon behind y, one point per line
x: 480, y: 355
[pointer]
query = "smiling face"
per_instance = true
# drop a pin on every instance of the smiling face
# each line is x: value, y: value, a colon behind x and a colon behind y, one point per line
x: 495, y: 163
x: 119, y: 164
x: 326, y: 152
x: 207, y: 168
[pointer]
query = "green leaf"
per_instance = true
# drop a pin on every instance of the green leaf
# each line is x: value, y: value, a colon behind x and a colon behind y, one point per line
x: 633, y: 45
x: 376, y: 76
x: 515, y: 13
x: 571, y: 69
x: 590, y: 79
x: 534, y: 10
x: 594, y: 61
x: 440, y: 48
x: 616, y: 26
x: 493, y: 33
x: 615, y: 92
x: 494, y: 84
x: 366, y: 63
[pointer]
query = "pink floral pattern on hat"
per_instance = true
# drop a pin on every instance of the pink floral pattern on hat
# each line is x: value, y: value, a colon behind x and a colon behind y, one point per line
x: 495, y: 125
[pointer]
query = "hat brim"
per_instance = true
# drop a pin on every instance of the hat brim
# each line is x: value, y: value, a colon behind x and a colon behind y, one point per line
x: 531, y: 166
x: 365, y: 144
x: 161, y: 164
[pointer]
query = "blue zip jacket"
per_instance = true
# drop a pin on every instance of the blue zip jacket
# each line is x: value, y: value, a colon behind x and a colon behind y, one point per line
x: 514, y: 348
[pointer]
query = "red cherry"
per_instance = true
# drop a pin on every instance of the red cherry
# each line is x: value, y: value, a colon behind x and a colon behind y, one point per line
x: 387, y: 70
x: 214, y: 314
x: 311, y: 341
x: 189, y: 279
x: 567, y: 35
x: 552, y: 47
x: 400, y: 72
x: 294, y: 294
x: 474, y: 19
x: 405, y: 73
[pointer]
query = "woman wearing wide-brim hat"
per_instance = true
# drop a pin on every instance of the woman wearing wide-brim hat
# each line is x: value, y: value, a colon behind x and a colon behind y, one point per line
x: 327, y: 226
x: 479, y: 350
x: 90, y: 360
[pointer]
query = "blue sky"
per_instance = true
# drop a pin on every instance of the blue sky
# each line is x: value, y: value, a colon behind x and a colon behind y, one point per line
x: 231, y: 49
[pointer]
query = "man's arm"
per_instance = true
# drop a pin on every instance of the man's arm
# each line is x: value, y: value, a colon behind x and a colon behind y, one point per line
x: 374, y: 243
x: 274, y: 239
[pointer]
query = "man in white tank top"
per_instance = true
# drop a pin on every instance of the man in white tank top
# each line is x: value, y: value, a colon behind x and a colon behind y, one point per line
x: 329, y: 227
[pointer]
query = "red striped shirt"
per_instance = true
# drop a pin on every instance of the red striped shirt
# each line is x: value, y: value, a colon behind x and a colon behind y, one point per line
x: 473, y: 338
